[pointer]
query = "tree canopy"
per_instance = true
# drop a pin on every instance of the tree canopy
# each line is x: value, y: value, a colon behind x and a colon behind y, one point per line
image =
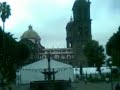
x: 94, y: 53
x: 113, y: 48
x: 5, y: 11
x: 13, y: 52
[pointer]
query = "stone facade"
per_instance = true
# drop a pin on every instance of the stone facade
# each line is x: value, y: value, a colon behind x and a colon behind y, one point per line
x: 78, y: 32
x: 60, y: 54
x: 32, y: 40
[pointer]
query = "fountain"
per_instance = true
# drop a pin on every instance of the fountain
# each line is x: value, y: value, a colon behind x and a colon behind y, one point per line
x: 49, y: 82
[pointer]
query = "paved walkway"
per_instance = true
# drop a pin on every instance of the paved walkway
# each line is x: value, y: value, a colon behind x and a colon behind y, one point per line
x: 78, y: 86
x: 93, y: 86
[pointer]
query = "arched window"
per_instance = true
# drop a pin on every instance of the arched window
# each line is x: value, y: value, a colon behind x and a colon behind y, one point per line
x: 56, y: 56
x: 70, y: 44
x: 44, y: 56
x: 68, y: 56
x: 63, y: 56
x: 40, y: 57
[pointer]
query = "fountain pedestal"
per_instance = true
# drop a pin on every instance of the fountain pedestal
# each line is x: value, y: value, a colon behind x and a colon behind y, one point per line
x: 50, y: 83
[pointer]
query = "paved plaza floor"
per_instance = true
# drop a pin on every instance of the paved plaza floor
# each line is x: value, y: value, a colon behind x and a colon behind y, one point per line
x: 79, y: 86
x: 93, y: 86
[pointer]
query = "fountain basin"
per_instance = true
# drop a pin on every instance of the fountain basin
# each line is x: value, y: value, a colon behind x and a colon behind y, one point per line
x: 50, y: 85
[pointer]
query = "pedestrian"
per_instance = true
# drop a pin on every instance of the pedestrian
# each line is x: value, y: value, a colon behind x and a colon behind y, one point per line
x: 107, y: 80
x: 85, y: 80
x: 69, y: 79
x: 117, y: 87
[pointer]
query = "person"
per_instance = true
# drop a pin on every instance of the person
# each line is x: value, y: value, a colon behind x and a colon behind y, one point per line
x: 117, y: 87
x: 107, y: 80
x: 85, y: 80
x: 69, y: 79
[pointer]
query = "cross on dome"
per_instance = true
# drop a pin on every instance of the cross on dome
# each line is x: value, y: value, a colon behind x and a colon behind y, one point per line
x: 30, y: 27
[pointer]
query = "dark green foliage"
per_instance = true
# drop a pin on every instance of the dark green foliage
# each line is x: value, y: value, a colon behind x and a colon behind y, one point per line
x: 94, y: 53
x: 8, y: 62
x: 9, y: 45
x: 13, y: 52
x: 29, y: 44
x: 113, y: 48
x: 23, y: 51
x: 4, y: 11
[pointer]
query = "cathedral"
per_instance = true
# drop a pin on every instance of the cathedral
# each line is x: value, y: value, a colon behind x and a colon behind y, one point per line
x: 78, y: 32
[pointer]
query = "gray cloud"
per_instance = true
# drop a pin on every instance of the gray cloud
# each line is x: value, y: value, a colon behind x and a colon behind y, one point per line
x: 105, y: 19
x: 115, y: 5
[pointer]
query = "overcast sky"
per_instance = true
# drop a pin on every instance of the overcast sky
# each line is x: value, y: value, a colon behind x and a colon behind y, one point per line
x: 49, y: 19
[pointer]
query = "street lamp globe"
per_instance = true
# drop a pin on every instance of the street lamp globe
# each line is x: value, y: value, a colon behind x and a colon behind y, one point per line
x: 110, y: 62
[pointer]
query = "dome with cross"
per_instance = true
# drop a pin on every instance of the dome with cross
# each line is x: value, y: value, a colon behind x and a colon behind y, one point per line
x: 30, y: 34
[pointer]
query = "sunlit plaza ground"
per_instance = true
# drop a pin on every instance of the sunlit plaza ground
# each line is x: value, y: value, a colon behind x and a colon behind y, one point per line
x: 80, y: 85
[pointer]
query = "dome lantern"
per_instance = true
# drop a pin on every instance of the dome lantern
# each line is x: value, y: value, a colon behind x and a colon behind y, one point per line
x: 30, y: 34
x: 30, y: 27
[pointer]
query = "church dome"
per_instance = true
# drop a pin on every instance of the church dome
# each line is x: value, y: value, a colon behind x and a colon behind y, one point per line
x: 30, y: 34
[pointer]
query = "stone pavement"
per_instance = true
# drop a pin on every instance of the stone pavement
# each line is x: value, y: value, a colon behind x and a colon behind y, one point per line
x: 79, y: 86
x: 23, y: 87
x: 93, y: 86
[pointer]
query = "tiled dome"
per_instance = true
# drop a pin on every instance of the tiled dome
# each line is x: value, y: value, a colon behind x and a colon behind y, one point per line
x: 30, y: 34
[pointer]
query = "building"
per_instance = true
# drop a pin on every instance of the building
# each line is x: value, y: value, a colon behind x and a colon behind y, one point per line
x: 32, y: 40
x: 78, y: 32
x: 60, y: 54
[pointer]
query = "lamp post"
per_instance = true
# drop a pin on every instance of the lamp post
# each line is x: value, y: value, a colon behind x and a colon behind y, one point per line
x: 110, y: 63
x: 49, y: 68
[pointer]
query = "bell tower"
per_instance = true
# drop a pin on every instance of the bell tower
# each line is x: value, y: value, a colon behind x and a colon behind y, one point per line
x: 78, y: 30
x: 81, y: 15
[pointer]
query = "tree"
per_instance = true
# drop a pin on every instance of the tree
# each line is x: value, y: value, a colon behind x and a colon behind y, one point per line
x: 15, y: 53
x: 94, y: 53
x: 32, y: 47
x: 9, y: 46
x: 5, y: 12
x: 7, y: 63
x: 22, y: 53
x: 113, y: 48
x: 11, y: 51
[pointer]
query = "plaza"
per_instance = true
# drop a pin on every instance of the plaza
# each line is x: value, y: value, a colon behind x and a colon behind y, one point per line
x: 80, y: 85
